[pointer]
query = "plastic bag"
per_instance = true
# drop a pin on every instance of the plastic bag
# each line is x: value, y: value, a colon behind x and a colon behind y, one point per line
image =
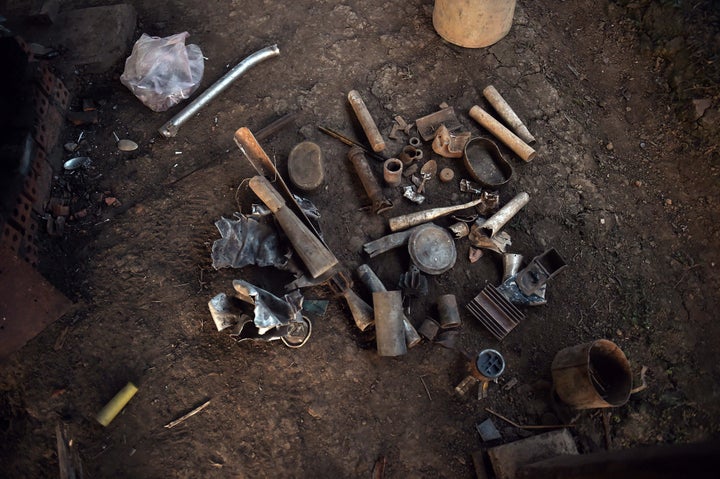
x: 162, y: 72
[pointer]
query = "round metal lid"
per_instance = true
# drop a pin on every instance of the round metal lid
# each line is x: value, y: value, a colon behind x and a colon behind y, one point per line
x: 432, y: 249
x: 490, y: 363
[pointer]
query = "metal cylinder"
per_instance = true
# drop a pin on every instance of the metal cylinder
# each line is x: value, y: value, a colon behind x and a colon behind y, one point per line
x: 508, y: 114
x: 504, y: 214
x: 592, y: 375
x: 459, y: 229
x: 373, y: 283
x: 392, y: 171
x: 389, y: 332
x: 170, y: 129
x: 408, y: 155
x: 361, y: 312
x: 511, y: 265
x: 448, y: 338
x: 368, y: 180
x: 412, y: 337
x: 448, y: 311
x: 377, y: 143
x: 511, y: 140
x: 429, y: 328
x: 116, y: 404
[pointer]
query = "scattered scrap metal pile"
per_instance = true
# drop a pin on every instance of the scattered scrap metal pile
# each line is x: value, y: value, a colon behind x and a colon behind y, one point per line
x: 282, y: 231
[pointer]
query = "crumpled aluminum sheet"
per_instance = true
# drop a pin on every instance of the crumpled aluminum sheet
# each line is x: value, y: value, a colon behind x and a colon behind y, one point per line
x: 270, y: 311
x: 227, y: 313
x: 246, y: 241
x: 274, y: 318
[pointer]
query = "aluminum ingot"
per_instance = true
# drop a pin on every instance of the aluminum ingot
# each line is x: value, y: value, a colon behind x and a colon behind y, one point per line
x: 305, y: 166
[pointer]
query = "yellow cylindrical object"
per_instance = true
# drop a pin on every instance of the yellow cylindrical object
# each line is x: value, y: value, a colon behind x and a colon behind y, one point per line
x: 511, y: 140
x: 473, y: 23
x: 116, y: 404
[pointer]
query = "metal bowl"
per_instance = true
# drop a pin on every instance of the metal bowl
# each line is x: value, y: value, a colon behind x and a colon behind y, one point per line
x: 432, y: 249
x: 485, y: 163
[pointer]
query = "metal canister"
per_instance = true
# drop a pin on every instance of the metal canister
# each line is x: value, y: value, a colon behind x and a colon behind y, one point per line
x: 429, y: 328
x: 392, y: 171
x: 489, y: 365
x: 448, y: 311
x: 389, y: 330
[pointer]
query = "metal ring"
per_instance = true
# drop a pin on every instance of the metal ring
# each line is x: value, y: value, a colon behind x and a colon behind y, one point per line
x: 301, y: 343
x: 414, y: 141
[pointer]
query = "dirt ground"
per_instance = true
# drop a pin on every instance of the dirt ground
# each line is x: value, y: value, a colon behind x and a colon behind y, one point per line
x: 624, y: 186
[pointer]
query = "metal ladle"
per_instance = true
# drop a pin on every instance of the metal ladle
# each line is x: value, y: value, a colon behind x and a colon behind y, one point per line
x: 125, y: 144
x: 428, y: 172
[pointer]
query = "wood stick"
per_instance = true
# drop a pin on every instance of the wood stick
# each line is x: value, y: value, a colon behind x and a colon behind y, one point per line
x: 182, y: 419
x: 317, y: 258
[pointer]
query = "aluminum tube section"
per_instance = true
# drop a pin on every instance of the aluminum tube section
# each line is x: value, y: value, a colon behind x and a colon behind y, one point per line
x: 170, y: 129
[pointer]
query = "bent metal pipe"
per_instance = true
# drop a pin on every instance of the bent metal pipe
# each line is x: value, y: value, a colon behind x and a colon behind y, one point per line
x: 170, y: 129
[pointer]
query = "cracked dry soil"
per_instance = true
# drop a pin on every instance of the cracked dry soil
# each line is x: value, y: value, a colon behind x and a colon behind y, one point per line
x: 621, y: 187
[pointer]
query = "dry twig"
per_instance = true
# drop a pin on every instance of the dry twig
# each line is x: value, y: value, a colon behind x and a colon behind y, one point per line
x: 174, y: 423
x: 426, y: 388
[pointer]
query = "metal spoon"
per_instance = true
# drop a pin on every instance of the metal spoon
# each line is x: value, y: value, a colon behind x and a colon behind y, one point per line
x: 428, y: 171
x: 77, y: 162
x: 125, y: 144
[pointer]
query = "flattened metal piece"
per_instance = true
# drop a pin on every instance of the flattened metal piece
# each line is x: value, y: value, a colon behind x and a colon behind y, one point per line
x: 428, y: 124
x: 488, y: 431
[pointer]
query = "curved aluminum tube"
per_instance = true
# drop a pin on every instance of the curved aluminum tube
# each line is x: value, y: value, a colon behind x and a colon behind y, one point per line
x: 170, y: 129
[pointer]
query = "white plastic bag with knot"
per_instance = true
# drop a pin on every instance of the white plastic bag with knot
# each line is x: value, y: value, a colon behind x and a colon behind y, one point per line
x: 162, y: 72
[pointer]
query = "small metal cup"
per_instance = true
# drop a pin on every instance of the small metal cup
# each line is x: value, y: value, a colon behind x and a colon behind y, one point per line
x: 448, y: 311
x: 429, y: 328
x: 392, y: 171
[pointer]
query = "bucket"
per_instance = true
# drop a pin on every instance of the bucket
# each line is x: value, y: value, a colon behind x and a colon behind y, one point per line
x: 473, y: 23
x: 592, y: 375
